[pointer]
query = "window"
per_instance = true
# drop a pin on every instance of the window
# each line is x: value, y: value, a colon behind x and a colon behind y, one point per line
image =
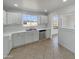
x: 55, y: 22
x: 30, y: 20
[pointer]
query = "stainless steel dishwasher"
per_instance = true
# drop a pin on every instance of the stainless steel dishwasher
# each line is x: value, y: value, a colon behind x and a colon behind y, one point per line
x: 42, y: 34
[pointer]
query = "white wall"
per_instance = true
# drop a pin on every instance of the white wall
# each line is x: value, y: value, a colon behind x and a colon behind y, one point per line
x: 67, y: 38
x: 68, y: 21
x: 66, y: 30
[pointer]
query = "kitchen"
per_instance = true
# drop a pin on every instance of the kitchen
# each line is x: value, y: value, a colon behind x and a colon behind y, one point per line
x: 33, y: 22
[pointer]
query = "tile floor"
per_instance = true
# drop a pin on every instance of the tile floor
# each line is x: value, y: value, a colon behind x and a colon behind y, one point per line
x: 46, y: 49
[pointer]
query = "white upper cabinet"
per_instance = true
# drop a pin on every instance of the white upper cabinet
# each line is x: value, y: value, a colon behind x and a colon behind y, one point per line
x: 13, y: 18
x: 44, y: 19
x: 4, y: 17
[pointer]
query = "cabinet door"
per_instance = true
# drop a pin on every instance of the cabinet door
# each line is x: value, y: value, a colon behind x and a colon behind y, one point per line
x: 36, y: 35
x: 48, y: 33
x: 13, y: 18
x: 31, y: 36
x: 5, y: 46
x: 44, y: 20
x: 18, y: 39
x: 10, y: 43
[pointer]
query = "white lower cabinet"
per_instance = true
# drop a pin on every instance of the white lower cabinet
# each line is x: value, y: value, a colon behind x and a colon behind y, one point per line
x: 24, y: 38
x: 31, y: 36
x: 18, y: 39
x: 48, y: 33
x: 7, y: 45
x: 36, y: 36
x: 28, y: 37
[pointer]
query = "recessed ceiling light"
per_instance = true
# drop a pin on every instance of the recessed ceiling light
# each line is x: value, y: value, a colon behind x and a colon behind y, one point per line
x: 16, y: 5
x: 45, y: 10
x: 64, y: 0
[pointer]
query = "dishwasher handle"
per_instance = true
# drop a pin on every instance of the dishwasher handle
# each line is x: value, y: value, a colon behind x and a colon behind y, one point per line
x: 41, y: 30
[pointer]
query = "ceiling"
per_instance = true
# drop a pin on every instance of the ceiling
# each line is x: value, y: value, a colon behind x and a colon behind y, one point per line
x: 35, y: 5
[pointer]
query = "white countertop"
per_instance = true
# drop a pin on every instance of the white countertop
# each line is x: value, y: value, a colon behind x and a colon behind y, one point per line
x: 8, y: 33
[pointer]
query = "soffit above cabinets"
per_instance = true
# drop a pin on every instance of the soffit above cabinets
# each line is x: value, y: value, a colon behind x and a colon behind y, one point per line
x: 35, y: 5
